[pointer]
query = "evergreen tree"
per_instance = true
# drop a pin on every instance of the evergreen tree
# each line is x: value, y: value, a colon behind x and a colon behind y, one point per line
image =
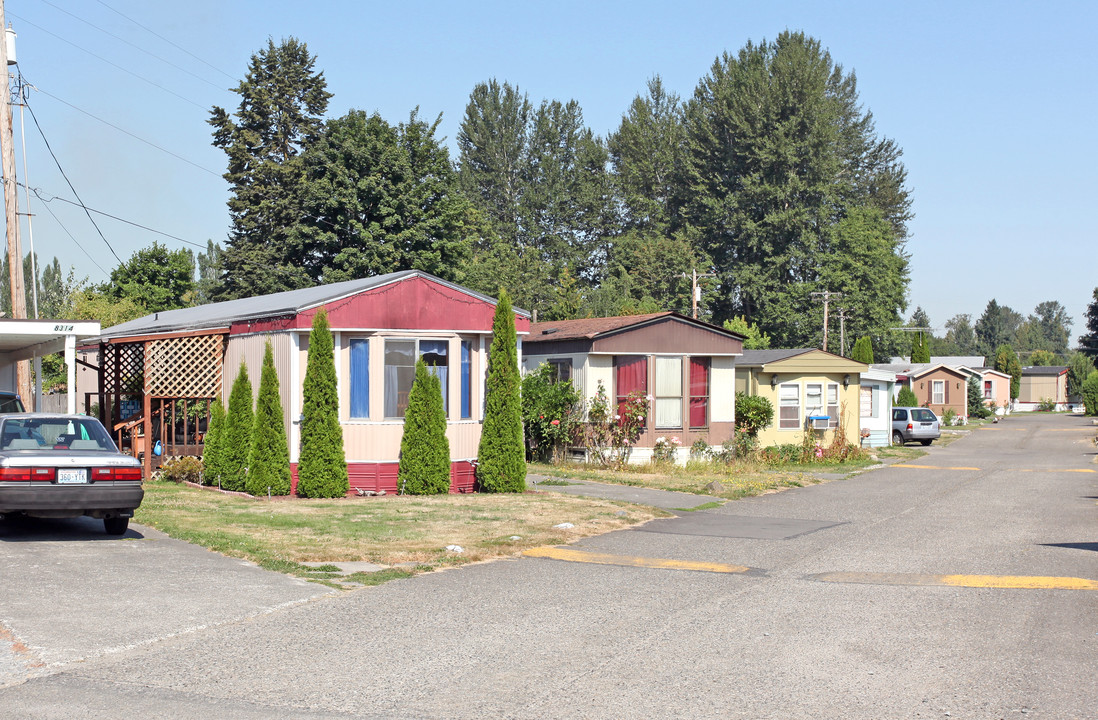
x: 269, y: 459
x: 322, y: 467
x: 237, y: 440
x: 920, y: 350
x: 1006, y: 361
x: 1088, y: 344
x: 906, y: 398
x: 976, y: 406
x: 960, y: 335
x: 863, y: 351
x: 282, y: 103
x: 919, y: 319
x: 777, y: 151
x: 1090, y: 393
x: 213, y: 445
x: 424, y: 449
x: 996, y: 327
x: 501, y: 465
x: 209, y: 273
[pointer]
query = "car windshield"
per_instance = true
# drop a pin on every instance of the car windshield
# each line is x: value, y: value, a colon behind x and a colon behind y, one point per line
x: 59, y: 433
x: 923, y: 415
x: 11, y: 404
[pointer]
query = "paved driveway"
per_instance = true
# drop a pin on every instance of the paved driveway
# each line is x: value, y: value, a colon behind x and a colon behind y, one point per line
x: 904, y: 592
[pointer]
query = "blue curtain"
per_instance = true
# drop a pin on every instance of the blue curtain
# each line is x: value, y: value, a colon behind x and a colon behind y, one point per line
x: 360, y: 378
x: 466, y: 379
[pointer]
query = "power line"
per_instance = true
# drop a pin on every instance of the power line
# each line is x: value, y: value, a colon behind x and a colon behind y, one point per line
x: 38, y: 194
x: 75, y: 241
x: 112, y: 64
x: 127, y: 132
x: 158, y: 35
x: 133, y: 45
x: 62, y: 170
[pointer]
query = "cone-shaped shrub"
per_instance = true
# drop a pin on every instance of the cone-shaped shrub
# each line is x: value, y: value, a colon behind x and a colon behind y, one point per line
x: 863, y: 351
x: 269, y: 463
x: 213, y: 448
x: 322, y: 467
x: 906, y: 398
x: 920, y: 349
x: 424, y: 449
x: 236, y: 442
x: 501, y: 465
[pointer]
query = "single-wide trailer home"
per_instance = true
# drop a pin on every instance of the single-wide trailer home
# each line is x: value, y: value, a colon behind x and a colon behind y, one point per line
x: 380, y: 325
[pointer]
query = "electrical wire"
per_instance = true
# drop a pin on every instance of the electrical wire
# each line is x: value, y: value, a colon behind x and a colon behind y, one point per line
x: 74, y: 240
x: 158, y: 35
x: 127, y: 132
x: 46, y: 198
x: 62, y: 170
x: 112, y: 64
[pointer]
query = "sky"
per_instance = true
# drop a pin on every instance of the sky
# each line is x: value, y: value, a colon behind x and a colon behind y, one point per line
x: 993, y: 104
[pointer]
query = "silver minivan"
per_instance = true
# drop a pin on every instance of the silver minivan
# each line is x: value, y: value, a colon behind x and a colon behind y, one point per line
x: 914, y: 423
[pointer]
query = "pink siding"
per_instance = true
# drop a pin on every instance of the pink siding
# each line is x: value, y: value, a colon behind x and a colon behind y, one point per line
x: 383, y: 476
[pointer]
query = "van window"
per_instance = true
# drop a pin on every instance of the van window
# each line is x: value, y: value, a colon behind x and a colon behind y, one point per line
x: 923, y: 415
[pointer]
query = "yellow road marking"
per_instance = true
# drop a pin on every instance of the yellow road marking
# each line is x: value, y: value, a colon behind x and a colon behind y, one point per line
x: 935, y: 467
x: 1002, y: 582
x: 946, y: 467
x: 1082, y: 429
x: 570, y: 555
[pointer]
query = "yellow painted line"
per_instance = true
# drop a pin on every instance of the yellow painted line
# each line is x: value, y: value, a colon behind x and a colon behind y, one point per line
x: 570, y: 555
x: 1082, y: 429
x: 1000, y: 582
x: 935, y: 467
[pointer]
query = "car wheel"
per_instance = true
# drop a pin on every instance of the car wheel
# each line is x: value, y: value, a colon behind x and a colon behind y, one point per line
x: 926, y: 442
x: 116, y: 525
x: 897, y: 438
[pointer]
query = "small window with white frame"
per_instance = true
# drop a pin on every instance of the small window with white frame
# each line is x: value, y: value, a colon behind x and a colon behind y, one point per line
x: 813, y: 399
x: 833, y: 404
x: 789, y: 406
x: 938, y: 392
x: 669, y: 392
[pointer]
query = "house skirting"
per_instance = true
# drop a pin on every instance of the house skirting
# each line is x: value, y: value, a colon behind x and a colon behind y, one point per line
x: 383, y: 476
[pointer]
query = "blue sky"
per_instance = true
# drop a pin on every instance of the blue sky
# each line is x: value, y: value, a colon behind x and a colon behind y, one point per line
x: 992, y: 102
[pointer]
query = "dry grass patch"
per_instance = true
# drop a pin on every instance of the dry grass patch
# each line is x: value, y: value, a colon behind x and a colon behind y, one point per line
x: 281, y: 534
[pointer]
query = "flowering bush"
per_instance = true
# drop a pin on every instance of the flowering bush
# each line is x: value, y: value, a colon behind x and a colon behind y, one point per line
x: 550, y: 413
x: 664, y: 449
x: 610, y: 435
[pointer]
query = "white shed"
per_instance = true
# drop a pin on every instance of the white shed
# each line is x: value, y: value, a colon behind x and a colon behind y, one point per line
x: 875, y: 407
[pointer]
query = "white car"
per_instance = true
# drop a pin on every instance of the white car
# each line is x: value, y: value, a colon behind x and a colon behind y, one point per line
x: 60, y: 466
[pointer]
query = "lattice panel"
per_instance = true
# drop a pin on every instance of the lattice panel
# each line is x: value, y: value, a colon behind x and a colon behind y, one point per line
x: 184, y: 367
x: 123, y: 368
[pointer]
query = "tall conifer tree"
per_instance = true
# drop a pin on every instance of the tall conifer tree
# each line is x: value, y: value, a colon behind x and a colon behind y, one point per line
x: 424, y: 449
x: 501, y: 465
x: 269, y: 460
x: 322, y: 468
x: 237, y: 441
x: 213, y: 445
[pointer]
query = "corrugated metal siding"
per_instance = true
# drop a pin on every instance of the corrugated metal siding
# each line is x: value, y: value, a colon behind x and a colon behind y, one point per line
x: 667, y: 336
x: 250, y: 349
x: 1039, y: 387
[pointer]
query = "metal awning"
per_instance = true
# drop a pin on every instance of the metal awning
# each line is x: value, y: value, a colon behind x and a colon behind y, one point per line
x: 32, y: 339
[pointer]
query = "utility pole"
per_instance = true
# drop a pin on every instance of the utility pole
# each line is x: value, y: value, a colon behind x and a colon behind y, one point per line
x: 826, y: 295
x: 11, y: 211
x: 695, y: 291
x: 842, y: 330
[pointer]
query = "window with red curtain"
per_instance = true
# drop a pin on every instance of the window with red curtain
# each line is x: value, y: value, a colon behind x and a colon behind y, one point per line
x: 699, y: 392
x: 630, y: 375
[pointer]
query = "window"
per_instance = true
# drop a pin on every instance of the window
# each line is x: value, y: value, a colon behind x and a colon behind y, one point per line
x: 987, y: 389
x: 630, y: 375
x: 562, y: 368
x: 789, y: 407
x: 833, y: 404
x: 466, y: 379
x: 360, y: 378
x: 668, y: 392
x: 865, y: 402
x: 813, y: 400
x: 400, y: 372
x: 699, y: 392
x: 938, y: 392
x: 436, y: 356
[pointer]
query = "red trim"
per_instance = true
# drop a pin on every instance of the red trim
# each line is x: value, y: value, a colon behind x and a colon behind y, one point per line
x: 383, y: 476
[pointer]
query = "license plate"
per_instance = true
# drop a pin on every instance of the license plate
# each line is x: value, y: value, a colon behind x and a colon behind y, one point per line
x: 72, y: 477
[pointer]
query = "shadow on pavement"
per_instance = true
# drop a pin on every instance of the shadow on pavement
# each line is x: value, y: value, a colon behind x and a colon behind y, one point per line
x: 19, y: 528
x: 1092, y: 546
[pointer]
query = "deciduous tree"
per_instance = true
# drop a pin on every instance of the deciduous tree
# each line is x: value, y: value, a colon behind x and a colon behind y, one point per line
x: 1006, y: 361
x: 157, y: 278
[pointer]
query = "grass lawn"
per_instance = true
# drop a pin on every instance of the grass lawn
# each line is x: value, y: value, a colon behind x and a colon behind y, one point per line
x: 405, y: 531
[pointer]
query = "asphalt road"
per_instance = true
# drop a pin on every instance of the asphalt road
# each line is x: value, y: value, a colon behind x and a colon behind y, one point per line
x: 959, y: 585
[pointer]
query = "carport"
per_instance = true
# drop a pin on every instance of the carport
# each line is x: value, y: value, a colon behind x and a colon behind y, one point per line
x: 32, y: 339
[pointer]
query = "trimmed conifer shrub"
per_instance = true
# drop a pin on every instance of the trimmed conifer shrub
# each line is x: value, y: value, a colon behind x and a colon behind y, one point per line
x: 906, y: 398
x: 236, y: 443
x: 269, y: 460
x: 424, y: 449
x: 501, y: 465
x: 920, y: 349
x: 322, y: 467
x: 863, y: 351
x: 212, y: 445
